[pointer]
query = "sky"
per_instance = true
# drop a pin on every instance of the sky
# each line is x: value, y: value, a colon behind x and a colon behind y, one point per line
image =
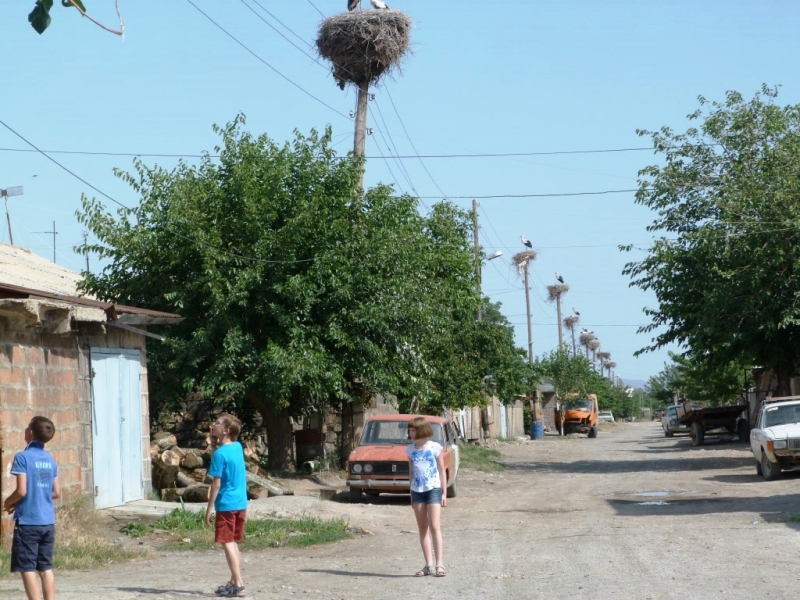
x: 546, y: 81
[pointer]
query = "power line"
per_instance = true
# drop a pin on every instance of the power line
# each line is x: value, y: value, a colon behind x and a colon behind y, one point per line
x: 264, y: 62
x: 318, y: 10
x: 397, y: 156
x: 500, y: 196
x: 276, y: 30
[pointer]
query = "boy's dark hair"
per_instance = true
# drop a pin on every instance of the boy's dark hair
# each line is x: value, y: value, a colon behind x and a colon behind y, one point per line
x: 232, y: 424
x: 43, y: 429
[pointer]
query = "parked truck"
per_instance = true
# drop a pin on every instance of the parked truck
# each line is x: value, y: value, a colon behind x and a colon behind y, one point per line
x: 578, y: 414
x: 705, y: 421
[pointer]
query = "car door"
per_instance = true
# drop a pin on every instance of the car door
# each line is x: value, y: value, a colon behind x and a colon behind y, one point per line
x: 450, y: 441
x: 757, y: 436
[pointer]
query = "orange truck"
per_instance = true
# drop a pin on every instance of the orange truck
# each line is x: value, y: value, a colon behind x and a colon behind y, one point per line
x: 578, y: 414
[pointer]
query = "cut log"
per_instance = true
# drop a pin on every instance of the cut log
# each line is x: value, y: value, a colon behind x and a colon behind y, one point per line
x: 167, y: 442
x: 182, y: 480
x: 192, y: 460
x: 165, y: 469
x: 196, y: 493
x: 272, y: 488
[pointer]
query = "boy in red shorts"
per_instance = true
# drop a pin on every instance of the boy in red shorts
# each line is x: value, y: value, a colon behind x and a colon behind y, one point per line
x: 228, y: 496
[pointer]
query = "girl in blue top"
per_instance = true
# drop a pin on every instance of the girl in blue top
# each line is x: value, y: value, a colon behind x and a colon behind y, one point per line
x: 428, y: 479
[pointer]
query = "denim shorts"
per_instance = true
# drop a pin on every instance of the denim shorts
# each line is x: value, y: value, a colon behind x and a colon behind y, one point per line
x: 433, y: 496
x: 32, y: 548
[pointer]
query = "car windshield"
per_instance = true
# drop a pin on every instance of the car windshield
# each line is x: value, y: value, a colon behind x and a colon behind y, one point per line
x: 672, y: 411
x: 393, y: 432
x: 782, y: 415
x: 580, y: 404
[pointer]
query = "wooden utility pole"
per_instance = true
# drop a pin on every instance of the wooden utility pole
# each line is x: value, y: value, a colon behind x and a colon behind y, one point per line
x: 360, y: 137
x: 560, y: 333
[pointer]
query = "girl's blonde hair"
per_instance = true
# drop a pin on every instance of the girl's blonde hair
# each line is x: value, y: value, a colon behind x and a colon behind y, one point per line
x: 423, y: 428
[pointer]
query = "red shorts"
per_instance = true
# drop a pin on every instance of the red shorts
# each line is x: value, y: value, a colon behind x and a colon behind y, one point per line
x: 229, y: 526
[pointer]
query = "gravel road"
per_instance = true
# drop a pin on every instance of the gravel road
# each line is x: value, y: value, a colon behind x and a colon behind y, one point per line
x: 628, y: 515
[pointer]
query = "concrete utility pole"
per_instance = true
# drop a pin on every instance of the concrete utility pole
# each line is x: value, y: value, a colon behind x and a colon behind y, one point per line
x: 560, y: 333
x: 54, y: 233
x: 360, y: 137
x: 479, y: 316
x: 528, y: 310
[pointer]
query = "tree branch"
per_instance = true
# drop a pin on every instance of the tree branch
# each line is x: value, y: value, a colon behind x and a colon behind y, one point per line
x: 120, y: 33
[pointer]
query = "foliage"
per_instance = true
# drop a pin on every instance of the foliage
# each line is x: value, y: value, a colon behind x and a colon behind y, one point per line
x: 39, y: 17
x: 695, y: 379
x: 726, y: 268
x: 480, y: 458
x: 295, y: 293
x: 134, y: 530
x: 187, y: 531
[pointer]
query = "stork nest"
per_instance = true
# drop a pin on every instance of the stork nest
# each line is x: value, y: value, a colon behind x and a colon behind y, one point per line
x: 594, y: 344
x: 362, y: 45
x: 587, y: 338
x: 571, y: 321
x: 604, y: 355
x: 555, y: 290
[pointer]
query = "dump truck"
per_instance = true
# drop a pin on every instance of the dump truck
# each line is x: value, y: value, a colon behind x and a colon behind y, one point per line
x: 578, y: 414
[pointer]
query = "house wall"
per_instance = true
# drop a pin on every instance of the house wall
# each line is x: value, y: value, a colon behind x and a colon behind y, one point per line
x: 49, y: 375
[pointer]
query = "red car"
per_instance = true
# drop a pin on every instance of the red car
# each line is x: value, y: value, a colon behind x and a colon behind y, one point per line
x: 380, y: 463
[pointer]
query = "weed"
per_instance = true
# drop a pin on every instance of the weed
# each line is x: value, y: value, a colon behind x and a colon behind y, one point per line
x: 187, y: 531
x: 135, y: 530
x: 479, y: 458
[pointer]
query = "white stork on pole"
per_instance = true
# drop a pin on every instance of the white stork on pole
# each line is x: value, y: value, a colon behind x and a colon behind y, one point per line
x: 379, y: 4
x: 525, y: 242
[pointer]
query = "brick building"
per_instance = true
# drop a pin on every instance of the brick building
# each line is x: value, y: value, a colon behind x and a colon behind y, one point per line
x: 81, y: 363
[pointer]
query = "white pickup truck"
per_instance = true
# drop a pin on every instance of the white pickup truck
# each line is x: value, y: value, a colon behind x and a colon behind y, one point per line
x: 775, y: 440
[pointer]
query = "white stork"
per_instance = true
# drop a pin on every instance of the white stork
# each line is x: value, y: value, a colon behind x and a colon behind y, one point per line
x: 576, y: 312
x: 353, y: 4
x: 525, y: 242
x: 379, y: 4
x: 559, y: 278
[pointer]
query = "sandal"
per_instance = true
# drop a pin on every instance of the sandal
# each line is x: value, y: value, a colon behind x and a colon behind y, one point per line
x: 424, y: 571
x: 440, y: 571
x: 229, y: 590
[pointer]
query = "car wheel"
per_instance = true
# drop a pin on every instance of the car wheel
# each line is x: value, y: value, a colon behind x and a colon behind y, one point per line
x: 759, y: 471
x: 592, y: 432
x: 698, y: 435
x: 770, y: 470
x: 355, y: 494
x: 452, y: 489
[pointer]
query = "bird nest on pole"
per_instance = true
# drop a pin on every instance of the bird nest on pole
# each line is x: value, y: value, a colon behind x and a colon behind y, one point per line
x: 594, y: 344
x: 604, y: 355
x: 571, y: 321
x: 587, y: 338
x: 521, y: 259
x: 554, y: 291
x: 363, y: 45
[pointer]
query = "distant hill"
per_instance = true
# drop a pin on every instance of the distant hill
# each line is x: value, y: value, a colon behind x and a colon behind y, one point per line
x: 637, y: 384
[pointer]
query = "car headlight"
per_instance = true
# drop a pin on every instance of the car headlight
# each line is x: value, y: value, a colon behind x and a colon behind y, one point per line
x: 357, y: 468
x: 779, y: 444
x: 368, y: 468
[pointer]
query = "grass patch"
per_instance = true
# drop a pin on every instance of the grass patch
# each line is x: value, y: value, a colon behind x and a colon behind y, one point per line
x: 479, y: 458
x: 79, y: 542
x: 186, y: 531
x: 134, y: 530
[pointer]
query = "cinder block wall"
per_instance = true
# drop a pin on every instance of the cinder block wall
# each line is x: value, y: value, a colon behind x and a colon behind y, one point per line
x: 39, y: 375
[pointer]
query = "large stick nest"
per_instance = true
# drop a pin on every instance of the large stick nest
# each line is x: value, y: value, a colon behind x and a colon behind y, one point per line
x: 362, y: 45
x: 587, y: 338
x: 571, y: 321
x: 593, y: 344
x: 554, y: 291
x: 604, y: 355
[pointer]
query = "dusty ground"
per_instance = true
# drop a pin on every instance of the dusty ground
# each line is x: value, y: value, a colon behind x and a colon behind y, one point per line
x: 564, y: 520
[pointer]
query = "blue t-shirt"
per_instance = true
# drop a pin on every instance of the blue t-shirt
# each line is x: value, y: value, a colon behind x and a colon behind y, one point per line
x: 36, y: 508
x: 227, y: 463
x: 424, y: 468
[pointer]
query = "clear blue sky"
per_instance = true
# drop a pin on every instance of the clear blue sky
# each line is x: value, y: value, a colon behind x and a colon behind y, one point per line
x: 483, y: 77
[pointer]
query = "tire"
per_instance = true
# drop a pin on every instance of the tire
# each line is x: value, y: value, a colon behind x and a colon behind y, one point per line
x: 372, y: 493
x: 668, y: 433
x: 743, y: 430
x: 698, y: 435
x: 759, y: 471
x: 355, y: 494
x: 452, y: 489
x: 770, y: 470
x: 592, y: 432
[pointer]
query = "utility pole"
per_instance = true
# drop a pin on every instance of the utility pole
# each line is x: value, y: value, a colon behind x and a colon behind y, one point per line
x: 54, y: 233
x: 528, y: 310
x: 5, y: 193
x: 360, y: 137
x: 479, y: 316
x: 85, y: 242
x: 560, y: 334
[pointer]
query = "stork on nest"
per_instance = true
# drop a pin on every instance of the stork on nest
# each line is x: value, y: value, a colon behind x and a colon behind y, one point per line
x: 556, y: 290
x: 586, y: 339
x: 364, y: 45
x: 521, y: 259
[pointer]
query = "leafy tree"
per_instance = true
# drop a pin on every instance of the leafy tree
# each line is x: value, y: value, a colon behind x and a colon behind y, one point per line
x: 296, y: 296
x: 660, y: 387
x: 726, y: 269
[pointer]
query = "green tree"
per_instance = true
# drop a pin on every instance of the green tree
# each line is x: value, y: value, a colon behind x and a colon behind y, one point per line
x: 39, y: 18
x: 726, y: 268
x: 296, y: 297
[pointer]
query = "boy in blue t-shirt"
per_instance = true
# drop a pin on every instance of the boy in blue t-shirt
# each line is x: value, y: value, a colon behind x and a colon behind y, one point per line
x: 34, y: 513
x: 228, y: 496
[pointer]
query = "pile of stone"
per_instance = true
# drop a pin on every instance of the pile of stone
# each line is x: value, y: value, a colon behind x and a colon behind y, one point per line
x: 181, y: 473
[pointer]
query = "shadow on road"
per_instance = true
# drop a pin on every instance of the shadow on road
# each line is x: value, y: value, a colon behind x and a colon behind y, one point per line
x: 599, y: 466
x: 355, y: 573
x: 159, y: 591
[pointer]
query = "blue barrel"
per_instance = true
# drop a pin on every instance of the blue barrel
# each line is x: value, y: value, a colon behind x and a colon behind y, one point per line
x: 537, y: 430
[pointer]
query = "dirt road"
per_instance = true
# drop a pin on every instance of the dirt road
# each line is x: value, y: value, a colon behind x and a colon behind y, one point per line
x: 629, y: 515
